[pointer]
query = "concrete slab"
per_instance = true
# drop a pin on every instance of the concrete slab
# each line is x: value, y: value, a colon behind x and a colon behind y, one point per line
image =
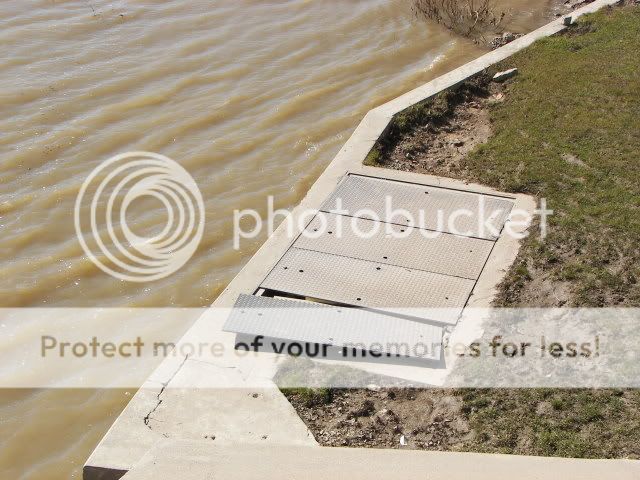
x: 199, y: 396
x: 112, y: 458
x: 209, y: 462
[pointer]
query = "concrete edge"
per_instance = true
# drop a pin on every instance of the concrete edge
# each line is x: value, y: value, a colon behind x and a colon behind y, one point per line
x: 197, y: 461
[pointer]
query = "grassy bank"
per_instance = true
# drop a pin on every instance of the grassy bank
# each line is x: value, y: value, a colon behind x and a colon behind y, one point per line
x: 567, y: 128
x: 568, y: 131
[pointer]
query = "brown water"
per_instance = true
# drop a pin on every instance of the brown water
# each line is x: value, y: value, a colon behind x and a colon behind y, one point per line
x: 252, y: 98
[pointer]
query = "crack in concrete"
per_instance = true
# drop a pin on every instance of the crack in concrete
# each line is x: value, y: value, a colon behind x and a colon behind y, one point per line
x: 147, y: 417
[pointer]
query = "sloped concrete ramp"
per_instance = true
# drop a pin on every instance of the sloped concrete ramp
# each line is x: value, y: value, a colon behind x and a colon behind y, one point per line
x: 207, y: 461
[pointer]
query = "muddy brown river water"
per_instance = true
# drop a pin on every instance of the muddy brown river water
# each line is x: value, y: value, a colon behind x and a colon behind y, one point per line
x: 252, y: 98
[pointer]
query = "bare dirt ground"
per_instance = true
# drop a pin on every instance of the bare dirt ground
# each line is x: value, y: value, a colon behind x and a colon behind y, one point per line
x: 438, y: 148
x: 387, y: 418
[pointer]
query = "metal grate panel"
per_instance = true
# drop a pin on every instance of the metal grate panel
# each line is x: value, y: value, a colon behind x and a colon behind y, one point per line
x: 341, y: 327
x: 368, y: 284
x: 396, y: 245
x: 430, y: 207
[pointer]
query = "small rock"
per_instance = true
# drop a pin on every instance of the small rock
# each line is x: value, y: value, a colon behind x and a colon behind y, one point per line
x: 373, y: 387
x: 458, y: 143
x: 403, y: 441
x: 502, y: 76
x: 497, y: 98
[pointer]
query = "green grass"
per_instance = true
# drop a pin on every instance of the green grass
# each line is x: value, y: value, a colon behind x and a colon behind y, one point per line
x: 577, y: 95
x: 309, y: 397
x: 568, y: 132
x: 546, y: 422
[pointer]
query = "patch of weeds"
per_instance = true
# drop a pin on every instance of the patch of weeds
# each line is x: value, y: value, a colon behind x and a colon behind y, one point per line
x: 309, y: 397
x: 565, y: 423
x: 555, y: 443
x: 558, y: 404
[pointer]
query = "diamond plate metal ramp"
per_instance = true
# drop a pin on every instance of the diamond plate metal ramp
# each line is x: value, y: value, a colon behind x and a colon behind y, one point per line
x: 337, y: 326
x: 433, y: 208
x: 398, y: 245
x: 368, y: 284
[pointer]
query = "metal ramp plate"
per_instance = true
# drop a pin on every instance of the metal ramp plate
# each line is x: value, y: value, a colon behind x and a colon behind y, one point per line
x: 396, y: 245
x: 340, y: 327
x: 430, y: 207
x: 369, y: 284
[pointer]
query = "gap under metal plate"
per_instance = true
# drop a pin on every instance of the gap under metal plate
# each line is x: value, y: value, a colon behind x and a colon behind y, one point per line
x: 362, y: 283
x: 431, y: 207
x: 390, y: 244
x: 337, y: 326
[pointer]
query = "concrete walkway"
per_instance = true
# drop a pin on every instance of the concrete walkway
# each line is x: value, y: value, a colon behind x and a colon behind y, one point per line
x: 189, y: 461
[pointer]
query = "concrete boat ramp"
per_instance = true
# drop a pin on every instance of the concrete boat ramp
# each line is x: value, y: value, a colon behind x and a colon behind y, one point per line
x: 350, y: 290
x: 400, y: 283
x: 202, y: 416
